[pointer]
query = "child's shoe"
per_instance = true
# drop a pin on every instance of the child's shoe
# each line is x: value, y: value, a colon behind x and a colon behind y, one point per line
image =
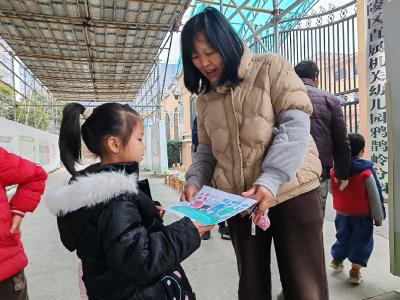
x: 280, y: 296
x: 336, y: 265
x: 355, y: 276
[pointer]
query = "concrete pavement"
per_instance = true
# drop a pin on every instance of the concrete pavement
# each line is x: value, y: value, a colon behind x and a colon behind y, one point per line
x: 52, y: 272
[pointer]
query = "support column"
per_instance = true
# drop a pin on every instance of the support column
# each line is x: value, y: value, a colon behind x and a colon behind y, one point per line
x: 362, y: 72
x: 392, y: 46
x: 276, y: 28
x: 14, y: 94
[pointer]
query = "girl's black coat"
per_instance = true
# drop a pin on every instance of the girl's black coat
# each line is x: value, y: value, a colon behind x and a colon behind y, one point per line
x: 124, y: 246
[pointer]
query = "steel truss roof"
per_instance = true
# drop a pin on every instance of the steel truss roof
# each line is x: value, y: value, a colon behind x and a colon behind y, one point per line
x: 253, y: 17
x: 89, y: 50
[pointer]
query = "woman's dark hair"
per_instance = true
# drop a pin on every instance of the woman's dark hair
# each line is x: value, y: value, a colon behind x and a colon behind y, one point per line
x: 221, y: 36
x: 307, y: 69
x: 109, y: 119
x: 357, y: 143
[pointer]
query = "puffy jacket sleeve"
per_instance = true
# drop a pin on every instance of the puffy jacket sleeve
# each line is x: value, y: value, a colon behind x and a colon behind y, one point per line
x: 341, y: 147
x: 292, y: 109
x: 29, y: 177
x: 286, y: 88
x: 134, y: 251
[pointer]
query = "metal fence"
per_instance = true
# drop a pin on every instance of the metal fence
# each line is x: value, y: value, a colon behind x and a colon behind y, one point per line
x: 351, y: 110
x: 328, y: 36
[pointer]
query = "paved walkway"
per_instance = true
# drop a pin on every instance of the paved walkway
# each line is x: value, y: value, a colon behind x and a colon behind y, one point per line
x: 52, y: 272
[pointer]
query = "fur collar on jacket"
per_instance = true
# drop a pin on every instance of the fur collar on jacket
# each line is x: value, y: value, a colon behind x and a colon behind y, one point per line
x: 91, y: 189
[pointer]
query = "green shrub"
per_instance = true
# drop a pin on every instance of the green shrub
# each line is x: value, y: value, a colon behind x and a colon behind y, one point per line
x: 174, y: 152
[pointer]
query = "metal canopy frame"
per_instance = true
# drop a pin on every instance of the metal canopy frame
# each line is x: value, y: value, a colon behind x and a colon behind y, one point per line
x: 95, y: 51
x: 251, y: 18
x: 254, y: 19
x: 87, y: 50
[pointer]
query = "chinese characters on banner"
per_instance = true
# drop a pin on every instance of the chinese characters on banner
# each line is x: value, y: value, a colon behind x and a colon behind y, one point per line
x: 376, y: 74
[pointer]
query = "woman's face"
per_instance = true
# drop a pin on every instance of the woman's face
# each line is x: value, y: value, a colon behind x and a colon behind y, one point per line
x: 206, y: 59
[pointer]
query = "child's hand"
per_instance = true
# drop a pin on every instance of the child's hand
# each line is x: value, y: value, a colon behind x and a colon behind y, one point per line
x: 160, y: 210
x: 201, y: 228
x: 378, y: 222
x: 16, y: 223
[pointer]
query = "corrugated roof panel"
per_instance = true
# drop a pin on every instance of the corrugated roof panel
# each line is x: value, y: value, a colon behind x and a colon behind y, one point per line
x: 65, y: 40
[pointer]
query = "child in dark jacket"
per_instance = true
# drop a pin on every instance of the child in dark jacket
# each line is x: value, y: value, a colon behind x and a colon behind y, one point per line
x: 108, y: 217
x: 358, y: 207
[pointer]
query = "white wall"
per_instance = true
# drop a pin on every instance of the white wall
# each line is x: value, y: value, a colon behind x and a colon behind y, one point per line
x: 147, y: 161
x: 159, y: 148
x: 30, y: 143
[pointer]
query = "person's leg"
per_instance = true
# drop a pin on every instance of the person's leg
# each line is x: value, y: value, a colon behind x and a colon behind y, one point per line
x: 362, y: 241
x: 253, y: 259
x: 223, y: 230
x: 206, y: 236
x: 14, y: 288
x: 323, y: 194
x: 362, y: 244
x: 296, y: 226
x: 341, y: 248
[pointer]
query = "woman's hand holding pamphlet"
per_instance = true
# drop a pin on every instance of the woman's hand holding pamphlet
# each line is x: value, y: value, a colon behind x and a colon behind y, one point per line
x: 211, y: 206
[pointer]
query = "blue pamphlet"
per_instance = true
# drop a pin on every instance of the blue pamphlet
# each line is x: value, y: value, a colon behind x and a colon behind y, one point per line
x: 211, y: 206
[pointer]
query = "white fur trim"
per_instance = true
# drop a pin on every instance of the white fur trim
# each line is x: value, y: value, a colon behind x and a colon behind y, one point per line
x: 90, y: 190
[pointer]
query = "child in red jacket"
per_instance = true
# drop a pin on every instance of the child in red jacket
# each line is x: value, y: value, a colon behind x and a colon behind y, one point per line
x: 358, y: 207
x: 30, y: 180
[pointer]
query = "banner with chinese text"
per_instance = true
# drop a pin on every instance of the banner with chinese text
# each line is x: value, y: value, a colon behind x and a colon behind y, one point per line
x: 376, y: 76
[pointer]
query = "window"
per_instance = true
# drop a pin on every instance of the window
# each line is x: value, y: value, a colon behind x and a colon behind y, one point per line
x: 168, y: 126
x: 176, y: 124
x: 340, y: 74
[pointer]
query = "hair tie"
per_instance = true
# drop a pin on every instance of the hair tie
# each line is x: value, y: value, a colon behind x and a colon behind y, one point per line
x: 87, y: 112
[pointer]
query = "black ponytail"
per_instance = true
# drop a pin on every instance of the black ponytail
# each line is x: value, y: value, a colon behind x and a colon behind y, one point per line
x: 70, y: 136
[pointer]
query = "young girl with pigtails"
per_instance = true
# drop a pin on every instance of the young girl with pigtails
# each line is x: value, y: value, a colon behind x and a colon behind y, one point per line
x: 108, y: 218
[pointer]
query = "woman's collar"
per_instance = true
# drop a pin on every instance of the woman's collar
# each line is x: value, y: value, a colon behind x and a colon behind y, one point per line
x: 245, y: 61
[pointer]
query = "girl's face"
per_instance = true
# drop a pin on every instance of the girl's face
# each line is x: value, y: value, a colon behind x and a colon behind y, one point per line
x: 206, y: 59
x: 134, y: 149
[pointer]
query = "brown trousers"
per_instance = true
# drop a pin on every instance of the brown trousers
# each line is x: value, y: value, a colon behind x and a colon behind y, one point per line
x: 14, y: 288
x: 296, y: 227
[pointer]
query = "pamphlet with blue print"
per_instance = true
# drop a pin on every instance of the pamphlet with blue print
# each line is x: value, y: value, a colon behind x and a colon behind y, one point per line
x: 211, y: 206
